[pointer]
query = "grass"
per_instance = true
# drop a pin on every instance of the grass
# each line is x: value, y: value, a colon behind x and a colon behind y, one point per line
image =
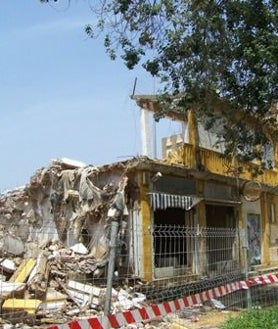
x: 254, y: 319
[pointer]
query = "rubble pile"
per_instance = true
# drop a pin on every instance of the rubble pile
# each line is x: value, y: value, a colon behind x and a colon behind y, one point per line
x: 59, y: 205
x: 54, y: 233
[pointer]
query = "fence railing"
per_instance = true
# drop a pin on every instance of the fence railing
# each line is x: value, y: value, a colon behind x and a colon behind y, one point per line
x: 187, y: 261
x: 197, y: 250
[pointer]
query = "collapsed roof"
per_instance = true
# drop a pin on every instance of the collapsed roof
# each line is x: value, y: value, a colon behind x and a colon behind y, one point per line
x: 61, y: 204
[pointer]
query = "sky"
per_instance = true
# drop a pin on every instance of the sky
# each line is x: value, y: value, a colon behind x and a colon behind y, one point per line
x: 60, y: 94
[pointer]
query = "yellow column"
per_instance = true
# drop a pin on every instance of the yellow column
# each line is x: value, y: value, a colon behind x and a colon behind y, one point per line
x: 147, y: 259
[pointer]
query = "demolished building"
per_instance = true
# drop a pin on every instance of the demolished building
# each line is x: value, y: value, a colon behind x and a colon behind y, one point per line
x: 181, y: 223
x: 55, y: 238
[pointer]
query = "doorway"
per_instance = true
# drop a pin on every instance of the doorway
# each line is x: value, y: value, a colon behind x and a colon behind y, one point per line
x: 172, y: 240
x: 222, y: 247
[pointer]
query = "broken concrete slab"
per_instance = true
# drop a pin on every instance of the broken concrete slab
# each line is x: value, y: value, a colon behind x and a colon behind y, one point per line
x: 38, y: 279
x: 89, y: 289
x: 13, y: 245
x: 7, y: 265
x: 79, y: 248
x: 54, y: 300
x: 6, y: 288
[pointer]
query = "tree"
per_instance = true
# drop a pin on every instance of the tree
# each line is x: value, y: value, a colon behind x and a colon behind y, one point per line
x: 204, y: 52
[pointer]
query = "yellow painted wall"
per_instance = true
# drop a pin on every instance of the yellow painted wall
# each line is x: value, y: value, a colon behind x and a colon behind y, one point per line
x: 215, y: 163
x: 269, y: 230
x: 265, y: 230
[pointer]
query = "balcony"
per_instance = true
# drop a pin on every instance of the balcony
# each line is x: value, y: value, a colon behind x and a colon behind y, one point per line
x: 216, y: 163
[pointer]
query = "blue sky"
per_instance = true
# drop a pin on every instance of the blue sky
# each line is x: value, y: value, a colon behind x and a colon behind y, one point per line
x: 61, y: 96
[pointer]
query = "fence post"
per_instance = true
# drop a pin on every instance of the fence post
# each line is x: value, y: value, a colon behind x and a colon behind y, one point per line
x: 245, y: 248
x: 111, y: 265
x: 115, y: 212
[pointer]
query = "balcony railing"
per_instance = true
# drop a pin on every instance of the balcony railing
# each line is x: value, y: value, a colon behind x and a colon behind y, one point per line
x: 216, y: 163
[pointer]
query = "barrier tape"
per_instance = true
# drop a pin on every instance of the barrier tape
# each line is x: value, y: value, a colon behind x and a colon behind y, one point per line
x: 157, y: 310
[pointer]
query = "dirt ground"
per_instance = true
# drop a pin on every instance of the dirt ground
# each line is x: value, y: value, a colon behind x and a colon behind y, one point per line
x: 212, y: 320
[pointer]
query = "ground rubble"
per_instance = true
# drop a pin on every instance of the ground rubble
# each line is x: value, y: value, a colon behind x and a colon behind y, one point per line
x: 42, y: 292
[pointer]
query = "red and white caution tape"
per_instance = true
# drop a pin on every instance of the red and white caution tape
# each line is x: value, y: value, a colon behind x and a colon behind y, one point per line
x: 153, y: 311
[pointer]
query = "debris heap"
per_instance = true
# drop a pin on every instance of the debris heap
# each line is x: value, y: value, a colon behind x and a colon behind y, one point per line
x: 54, y: 234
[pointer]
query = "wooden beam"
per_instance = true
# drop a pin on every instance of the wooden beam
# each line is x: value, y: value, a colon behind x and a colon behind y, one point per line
x: 23, y: 271
x: 28, y: 305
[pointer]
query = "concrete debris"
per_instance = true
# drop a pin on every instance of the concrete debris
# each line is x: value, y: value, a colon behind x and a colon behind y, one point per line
x: 7, y: 288
x: 38, y: 278
x: 12, y: 245
x: 54, y: 235
x: 60, y: 208
x: 7, y: 265
x: 217, y: 304
x: 79, y: 248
